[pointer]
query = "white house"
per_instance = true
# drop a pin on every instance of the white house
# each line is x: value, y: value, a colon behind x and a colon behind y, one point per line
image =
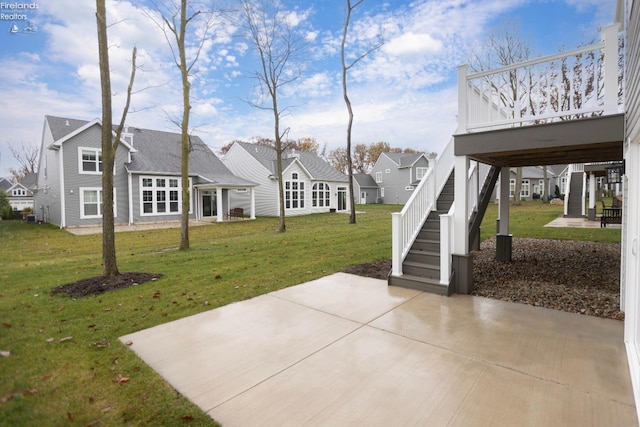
x: 311, y: 185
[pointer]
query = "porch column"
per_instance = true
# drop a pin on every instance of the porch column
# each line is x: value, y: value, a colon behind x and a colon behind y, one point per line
x: 503, y: 238
x: 219, y: 208
x: 462, y: 260
x: 253, y: 203
x: 591, y: 216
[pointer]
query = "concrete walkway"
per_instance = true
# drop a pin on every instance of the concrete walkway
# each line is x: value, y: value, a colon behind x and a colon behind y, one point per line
x: 345, y: 350
x: 578, y: 223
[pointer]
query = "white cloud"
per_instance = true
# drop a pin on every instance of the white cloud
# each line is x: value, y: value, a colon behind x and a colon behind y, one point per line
x: 411, y: 43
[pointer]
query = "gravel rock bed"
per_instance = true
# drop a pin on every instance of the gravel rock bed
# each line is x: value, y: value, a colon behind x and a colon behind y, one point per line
x: 578, y: 277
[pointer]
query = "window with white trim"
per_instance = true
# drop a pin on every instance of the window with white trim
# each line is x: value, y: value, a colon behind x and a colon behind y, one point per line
x: 421, y: 172
x: 525, y: 190
x: 512, y: 187
x: 381, y: 191
x: 91, y: 202
x: 160, y: 195
x: 294, y: 193
x: 89, y: 160
x: 320, y: 194
x: 378, y: 176
x: 19, y: 192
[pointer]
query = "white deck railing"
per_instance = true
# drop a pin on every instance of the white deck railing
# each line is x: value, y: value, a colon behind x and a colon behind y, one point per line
x: 569, y: 85
x: 405, y: 225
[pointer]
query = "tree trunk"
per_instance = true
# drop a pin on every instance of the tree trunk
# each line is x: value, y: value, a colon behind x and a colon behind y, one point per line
x: 186, y: 146
x: 517, y: 198
x: 546, y: 185
x: 276, y: 118
x: 347, y: 101
x: 109, y: 262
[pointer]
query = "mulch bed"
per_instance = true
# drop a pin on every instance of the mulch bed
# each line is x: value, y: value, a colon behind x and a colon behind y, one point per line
x: 99, y: 284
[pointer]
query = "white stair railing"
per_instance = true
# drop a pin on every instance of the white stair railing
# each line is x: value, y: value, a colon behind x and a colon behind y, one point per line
x: 406, y: 224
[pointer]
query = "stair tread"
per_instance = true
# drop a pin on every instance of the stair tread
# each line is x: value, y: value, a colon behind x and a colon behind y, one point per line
x: 421, y: 265
x: 423, y: 252
x: 426, y: 280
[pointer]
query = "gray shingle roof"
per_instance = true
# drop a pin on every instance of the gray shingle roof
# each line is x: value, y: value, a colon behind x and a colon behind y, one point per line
x: 160, y: 152
x: 364, y: 180
x: 404, y: 159
x: 61, y: 126
x: 317, y: 167
x: 5, y: 184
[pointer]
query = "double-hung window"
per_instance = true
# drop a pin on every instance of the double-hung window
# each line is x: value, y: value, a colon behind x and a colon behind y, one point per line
x: 421, y: 172
x: 378, y: 177
x: 89, y: 160
x: 91, y: 202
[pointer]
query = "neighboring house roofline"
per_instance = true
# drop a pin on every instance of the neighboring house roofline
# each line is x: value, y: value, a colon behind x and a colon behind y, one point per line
x: 401, y: 156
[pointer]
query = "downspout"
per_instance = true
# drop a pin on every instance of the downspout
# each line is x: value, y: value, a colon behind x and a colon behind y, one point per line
x: 63, y: 203
x: 130, y: 189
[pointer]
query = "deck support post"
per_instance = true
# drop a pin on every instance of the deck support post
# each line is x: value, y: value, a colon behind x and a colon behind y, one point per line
x: 503, y: 238
x: 462, y: 260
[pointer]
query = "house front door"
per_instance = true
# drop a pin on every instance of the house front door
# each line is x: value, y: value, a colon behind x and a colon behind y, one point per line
x: 363, y: 198
x: 342, y: 198
x: 209, y: 204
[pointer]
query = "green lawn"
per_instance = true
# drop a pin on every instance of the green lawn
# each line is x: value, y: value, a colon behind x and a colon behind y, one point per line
x: 66, y: 365
x: 528, y: 220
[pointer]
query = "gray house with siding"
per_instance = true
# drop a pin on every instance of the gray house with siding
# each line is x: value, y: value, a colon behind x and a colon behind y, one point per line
x: 147, y: 184
x: 397, y: 175
x: 311, y: 185
x: 365, y: 189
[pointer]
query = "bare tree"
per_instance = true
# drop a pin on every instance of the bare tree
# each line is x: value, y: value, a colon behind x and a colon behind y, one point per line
x: 338, y: 158
x: 502, y: 49
x: 365, y: 156
x: 174, y: 23
x: 27, y: 158
x: 276, y: 43
x: 346, y: 66
x: 109, y: 143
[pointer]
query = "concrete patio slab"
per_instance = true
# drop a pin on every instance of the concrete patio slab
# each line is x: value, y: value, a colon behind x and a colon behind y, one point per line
x: 345, y: 350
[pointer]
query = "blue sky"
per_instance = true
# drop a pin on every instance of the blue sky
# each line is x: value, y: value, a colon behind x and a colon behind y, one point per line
x: 405, y: 93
